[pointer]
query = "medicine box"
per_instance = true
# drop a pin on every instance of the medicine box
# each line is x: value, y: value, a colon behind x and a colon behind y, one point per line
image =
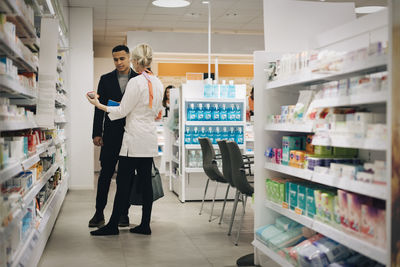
x: 290, y: 143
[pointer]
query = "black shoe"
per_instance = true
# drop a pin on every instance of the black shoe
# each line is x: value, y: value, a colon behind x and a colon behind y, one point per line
x: 123, y: 221
x: 97, y: 220
x: 106, y: 230
x: 141, y: 230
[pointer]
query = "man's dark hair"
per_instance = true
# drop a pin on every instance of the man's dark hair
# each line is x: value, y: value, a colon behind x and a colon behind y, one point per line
x: 121, y: 48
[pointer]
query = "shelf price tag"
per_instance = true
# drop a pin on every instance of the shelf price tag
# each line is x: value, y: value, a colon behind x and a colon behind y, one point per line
x: 298, y: 211
x: 285, y: 205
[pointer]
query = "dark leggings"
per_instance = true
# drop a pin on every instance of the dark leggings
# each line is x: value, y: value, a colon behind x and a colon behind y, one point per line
x: 126, y: 171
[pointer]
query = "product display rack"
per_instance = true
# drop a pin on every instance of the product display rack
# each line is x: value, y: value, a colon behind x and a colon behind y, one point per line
x: 270, y: 95
x: 191, y: 180
x: 30, y: 248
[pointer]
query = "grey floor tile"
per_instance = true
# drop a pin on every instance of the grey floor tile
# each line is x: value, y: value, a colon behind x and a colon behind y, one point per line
x: 180, y: 236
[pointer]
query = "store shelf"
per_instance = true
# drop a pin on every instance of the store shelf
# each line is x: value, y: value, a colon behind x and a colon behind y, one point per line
x: 370, y: 65
x: 271, y: 254
x: 194, y: 170
x: 10, y: 172
x: 27, y: 102
x: 300, y: 173
x: 367, y: 144
x: 39, y: 185
x: 60, y: 103
x: 340, y: 236
x: 175, y: 160
x: 290, y: 127
x: 13, y: 87
x: 214, y: 100
x: 16, y: 125
x: 60, y: 120
x: 368, y: 189
x: 214, y: 146
x: 33, y: 247
x: 214, y: 123
x: 353, y: 100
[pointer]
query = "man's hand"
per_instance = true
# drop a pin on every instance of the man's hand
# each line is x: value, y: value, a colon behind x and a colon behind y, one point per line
x: 98, y: 141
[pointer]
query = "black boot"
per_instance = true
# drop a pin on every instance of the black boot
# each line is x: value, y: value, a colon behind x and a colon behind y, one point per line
x: 97, y: 220
x: 123, y: 221
x: 143, y: 230
x: 106, y: 230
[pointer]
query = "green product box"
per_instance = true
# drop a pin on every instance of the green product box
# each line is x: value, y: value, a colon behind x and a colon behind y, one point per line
x: 290, y: 143
x: 276, y: 192
x: 281, y: 192
x: 287, y: 186
x: 293, y: 195
x: 301, y: 198
x: 318, y: 204
x: 310, y: 202
x: 323, y: 150
x: 268, y: 188
x: 327, y: 206
x: 345, y: 152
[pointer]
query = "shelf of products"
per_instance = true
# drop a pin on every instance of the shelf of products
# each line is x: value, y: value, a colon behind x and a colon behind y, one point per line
x: 359, y: 245
x: 290, y: 127
x: 364, y: 188
x: 199, y: 147
x: 327, y: 163
x: 214, y: 123
x: 271, y: 254
x: 14, y: 87
x: 17, y: 125
x: 370, y: 65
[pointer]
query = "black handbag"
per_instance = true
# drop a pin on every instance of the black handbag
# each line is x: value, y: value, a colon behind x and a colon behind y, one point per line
x: 136, y: 197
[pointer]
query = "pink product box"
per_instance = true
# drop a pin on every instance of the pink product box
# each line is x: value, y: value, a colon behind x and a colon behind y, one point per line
x: 278, y: 155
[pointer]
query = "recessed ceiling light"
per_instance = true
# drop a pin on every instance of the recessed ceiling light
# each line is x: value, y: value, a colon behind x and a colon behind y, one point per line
x: 205, y: 2
x: 171, y: 3
x: 369, y: 9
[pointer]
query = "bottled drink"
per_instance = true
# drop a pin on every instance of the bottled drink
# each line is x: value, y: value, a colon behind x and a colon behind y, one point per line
x: 225, y: 134
x: 231, y: 90
x: 188, y: 136
x: 239, y: 136
x: 210, y: 135
x: 215, y: 88
x: 200, y: 112
x: 195, y: 136
x: 232, y: 134
x: 238, y: 113
x: 215, y: 113
x: 231, y: 112
x: 191, y: 113
x: 217, y: 134
x: 208, y: 89
x: 207, y: 112
x: 223, y: 113
x: 203, y: 133
x: 192, y: 159
x: 223, y: 90
x: 199, y: 159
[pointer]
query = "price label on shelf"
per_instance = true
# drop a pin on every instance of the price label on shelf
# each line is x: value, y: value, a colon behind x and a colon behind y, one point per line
x: 285, y: 205
x: 298, y: 211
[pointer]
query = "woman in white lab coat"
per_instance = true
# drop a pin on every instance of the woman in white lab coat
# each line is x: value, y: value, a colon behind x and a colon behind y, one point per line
x: 140, y: 105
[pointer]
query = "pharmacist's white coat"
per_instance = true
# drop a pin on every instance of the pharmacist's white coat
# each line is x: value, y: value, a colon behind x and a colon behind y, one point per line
x: 140, y: 137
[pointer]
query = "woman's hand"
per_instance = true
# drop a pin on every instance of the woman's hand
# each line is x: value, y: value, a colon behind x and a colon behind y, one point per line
x: 94, y: 101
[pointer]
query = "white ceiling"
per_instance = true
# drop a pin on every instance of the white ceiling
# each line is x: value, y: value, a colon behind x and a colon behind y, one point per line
x: 113, y: 18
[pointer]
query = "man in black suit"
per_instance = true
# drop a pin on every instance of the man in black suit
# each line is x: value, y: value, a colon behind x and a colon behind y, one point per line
x: 108, y: 134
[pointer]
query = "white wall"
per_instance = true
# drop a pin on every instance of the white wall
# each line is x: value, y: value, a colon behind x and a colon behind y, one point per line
x: 81, y: 81
x: 290, y: 25
x: 178, y: 42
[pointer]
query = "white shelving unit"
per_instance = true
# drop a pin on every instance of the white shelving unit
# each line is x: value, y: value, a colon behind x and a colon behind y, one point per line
x: 191, y: 181
x: 29, y: 250
x: 271, y: 95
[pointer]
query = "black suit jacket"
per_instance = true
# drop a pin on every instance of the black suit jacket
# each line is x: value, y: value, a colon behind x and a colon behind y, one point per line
x: 111, y: 131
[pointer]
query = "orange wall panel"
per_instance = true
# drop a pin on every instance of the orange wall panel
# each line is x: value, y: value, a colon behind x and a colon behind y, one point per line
x: 224, y: 70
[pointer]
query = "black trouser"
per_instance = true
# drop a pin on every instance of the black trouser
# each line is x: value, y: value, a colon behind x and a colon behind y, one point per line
x: 125, y: 176
x: 103, y: 185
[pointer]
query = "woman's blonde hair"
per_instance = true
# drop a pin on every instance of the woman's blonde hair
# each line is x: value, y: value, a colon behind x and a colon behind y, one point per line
x: 143, y: 54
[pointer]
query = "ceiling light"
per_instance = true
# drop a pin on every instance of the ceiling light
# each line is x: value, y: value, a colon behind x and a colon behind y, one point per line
x: 369, y: 9
x: 205, y: 2
x: 171, y: 3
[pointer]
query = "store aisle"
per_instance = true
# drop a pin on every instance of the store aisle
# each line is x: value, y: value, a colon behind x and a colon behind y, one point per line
x: 180, y: 236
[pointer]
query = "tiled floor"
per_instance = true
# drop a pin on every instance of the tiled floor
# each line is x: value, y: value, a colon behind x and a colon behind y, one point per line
x: 181, y: 237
